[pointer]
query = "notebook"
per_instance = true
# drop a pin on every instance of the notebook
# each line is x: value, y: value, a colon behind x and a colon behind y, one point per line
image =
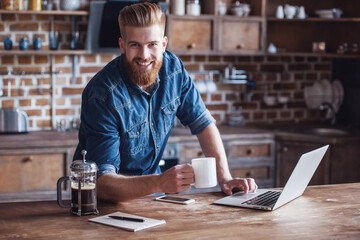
x: 127, y: 225
x: 265, y: 199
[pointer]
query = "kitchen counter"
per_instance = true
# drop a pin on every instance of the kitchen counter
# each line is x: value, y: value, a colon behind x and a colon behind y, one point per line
x: 39, y: 139
x: 314, y: 133
x: 278, y: 132
x: 323, y: 212
x: 227, y: 133
x: 53, y: 138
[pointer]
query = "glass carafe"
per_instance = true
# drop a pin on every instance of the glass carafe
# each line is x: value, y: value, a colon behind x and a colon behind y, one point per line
x: 83, y: 187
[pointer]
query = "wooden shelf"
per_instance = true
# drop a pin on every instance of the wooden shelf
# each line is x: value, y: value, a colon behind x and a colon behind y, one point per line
x: 309, y: 54
x: 330, y: 20
x: 46, y: 12
x: 211, y: 16
x: 43, y: 52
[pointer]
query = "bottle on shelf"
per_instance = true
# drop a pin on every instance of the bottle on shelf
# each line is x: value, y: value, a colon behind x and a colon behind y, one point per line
x: 7, y: 4
x: 177, y: 7
x: 18, y: 4
x: 35, y: 5
x: 193, y: 8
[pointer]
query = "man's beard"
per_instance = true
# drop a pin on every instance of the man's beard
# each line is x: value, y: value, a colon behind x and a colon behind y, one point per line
x: 142, y: 77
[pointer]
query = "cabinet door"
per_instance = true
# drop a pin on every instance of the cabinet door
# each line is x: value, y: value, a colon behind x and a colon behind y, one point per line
x: 239, y: 36
x: 189, y: 151
x: 252, y: 158
x: 31, y: 172
x: 261, y: 172
x: 194, y: 35
x: 345, y: 164
x: 237, y: 150
x: 288, y: 154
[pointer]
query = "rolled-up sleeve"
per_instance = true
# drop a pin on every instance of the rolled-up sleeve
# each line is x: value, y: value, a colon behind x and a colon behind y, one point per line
x: 106, y: 168
x: 204, y: 120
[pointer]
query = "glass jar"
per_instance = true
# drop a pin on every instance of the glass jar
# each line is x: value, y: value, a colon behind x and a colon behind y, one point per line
x: 177, y: 7
x: 37, y: 44
x: 18, y: 4
x: 8, y: 43
x: 35, y: 5
x: 7, y: 4
x: 24, y: 44
x: 193, y: 7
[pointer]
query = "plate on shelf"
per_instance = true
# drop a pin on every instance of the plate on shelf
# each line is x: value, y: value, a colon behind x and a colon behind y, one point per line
x: 327, y: 91
x: 325, y: 13
x: 329, y: 13
x: 339, y: 89
x: 313, y: 96
x: 336, y: 97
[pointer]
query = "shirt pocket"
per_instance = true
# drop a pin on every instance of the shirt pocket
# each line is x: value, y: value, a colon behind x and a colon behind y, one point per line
x: 136, y: 138
x: 169, y: 113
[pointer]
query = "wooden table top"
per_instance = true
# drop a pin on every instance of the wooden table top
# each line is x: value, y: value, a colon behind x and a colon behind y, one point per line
x: 323, y: 212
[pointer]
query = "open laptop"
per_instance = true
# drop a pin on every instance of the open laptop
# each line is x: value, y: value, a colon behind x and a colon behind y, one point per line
x: 266, y: 199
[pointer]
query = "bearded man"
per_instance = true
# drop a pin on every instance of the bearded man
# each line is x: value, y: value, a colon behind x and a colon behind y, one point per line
x: 128, y: 110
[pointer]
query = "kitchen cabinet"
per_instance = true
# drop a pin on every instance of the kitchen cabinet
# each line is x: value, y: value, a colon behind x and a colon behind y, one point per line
x: 233, y: 35
x: 252, y: 158
x: 288, y: 154
x: 192, y: 34
x: 294, y: 36
x: 247, y: 157
x: 188, y: 151
x: 240, y: 36
x: 31, y: 164
x: 32, y: 173
x: 340, y: 164
x: 212, y: 34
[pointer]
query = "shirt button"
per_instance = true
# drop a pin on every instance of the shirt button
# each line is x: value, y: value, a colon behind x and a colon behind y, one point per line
x: 137, y: 133
x: 157, y: 147
x: 152, y: 124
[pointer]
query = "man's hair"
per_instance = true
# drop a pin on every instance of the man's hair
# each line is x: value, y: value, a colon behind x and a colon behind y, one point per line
x: 140, y: 15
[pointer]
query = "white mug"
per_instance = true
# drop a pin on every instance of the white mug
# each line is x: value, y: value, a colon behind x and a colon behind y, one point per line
x: 205, y: 172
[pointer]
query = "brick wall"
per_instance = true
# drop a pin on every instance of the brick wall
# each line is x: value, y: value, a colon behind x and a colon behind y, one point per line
x: 274, y: 75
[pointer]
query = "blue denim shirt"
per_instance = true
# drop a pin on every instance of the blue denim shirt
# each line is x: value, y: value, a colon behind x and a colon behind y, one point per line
x: 124, y: 128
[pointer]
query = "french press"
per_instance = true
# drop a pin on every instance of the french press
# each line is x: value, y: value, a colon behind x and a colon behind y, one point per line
x: 83, y: 187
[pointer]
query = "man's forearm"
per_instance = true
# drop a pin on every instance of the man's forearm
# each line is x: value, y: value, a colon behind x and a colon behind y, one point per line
x: 118, y: 188
x: 212, y: 146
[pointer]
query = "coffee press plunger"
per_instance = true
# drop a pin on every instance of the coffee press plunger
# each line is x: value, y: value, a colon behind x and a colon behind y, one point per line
x: 83, y: 187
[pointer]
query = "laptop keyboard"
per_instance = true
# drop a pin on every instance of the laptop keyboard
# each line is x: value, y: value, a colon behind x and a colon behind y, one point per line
x: 268, y: 198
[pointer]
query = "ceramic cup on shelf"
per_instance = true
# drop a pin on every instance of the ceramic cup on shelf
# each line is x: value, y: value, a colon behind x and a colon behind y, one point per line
x: 74, y: 43
x: 272, y: 48
x: 246, y: 9
x: 24, y: 44
x: 221, y: 8
x: 280, y: 12
x: 177, y: 7
x: 8, y: 43
x: 289, y: 11
x: 301, y: 13
x: 69, y: 5
x: 37, y: 43
x: 53, y: 40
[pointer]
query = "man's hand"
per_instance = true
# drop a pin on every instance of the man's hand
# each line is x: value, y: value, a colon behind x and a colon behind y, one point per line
x: 176, y: 179
x: 243, y: 184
